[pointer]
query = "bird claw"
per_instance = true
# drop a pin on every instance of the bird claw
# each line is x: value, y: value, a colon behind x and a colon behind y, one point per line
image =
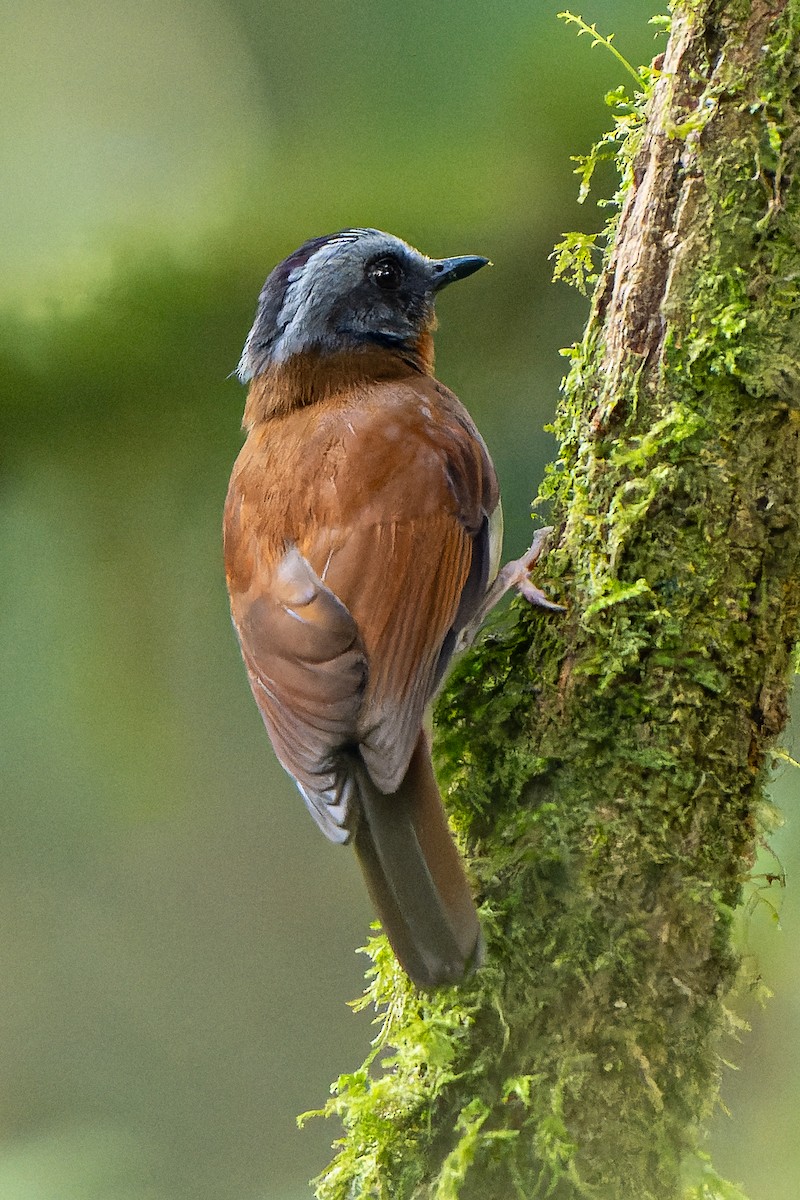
x: 534, y: 551
x: 535, y: 595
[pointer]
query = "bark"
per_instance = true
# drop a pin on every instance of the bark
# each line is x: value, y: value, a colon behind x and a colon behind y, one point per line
x: 606, y: 768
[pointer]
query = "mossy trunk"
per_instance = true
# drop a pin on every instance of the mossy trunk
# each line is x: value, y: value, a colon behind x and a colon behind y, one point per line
x: 606, y: 767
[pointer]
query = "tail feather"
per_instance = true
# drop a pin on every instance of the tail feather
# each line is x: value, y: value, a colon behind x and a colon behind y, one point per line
x: 416, y: 878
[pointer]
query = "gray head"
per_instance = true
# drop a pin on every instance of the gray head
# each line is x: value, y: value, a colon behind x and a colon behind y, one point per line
x: 349, y: 289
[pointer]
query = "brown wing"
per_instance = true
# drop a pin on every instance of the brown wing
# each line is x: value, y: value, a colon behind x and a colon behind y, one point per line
x: 307, y: 671
x: 401, y: 581
x: 347, y: 582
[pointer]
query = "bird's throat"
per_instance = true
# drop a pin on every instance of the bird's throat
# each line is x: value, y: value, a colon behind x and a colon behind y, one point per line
x: 314, y: 377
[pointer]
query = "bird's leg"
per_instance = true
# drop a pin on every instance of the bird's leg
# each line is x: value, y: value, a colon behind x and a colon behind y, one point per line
x: 514, y: 574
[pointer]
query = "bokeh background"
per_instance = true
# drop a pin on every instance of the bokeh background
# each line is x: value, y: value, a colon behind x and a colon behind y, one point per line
x: 176, y: 939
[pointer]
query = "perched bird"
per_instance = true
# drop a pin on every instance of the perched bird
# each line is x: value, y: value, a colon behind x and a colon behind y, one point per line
x: 362, y: 528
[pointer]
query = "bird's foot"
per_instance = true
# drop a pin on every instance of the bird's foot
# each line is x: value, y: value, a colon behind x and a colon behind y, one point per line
x: 516, y: 574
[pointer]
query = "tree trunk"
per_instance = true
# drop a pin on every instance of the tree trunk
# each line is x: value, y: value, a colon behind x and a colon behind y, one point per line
x: 606, y: 768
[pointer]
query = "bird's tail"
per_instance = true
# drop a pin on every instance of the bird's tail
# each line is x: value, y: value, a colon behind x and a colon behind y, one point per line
x: 416, y: 878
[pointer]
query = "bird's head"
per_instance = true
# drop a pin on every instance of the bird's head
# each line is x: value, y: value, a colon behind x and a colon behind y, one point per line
x: 353, y: 289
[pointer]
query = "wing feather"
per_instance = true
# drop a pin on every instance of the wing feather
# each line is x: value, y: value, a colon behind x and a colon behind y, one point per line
x: 403, y: 603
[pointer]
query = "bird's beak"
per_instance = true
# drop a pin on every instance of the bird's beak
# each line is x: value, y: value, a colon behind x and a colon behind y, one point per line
x: 448, y: 270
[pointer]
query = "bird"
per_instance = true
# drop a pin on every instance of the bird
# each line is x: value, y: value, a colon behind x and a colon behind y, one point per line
x: 362, y: 532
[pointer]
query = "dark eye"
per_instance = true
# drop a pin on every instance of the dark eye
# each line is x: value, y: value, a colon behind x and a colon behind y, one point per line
x: 386, y: 272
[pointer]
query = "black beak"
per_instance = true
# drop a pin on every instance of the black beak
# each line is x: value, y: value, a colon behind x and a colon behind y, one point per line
x: 448, y: 270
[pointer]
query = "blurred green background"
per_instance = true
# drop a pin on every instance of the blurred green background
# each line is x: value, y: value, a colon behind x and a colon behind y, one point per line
x: 176, y: 938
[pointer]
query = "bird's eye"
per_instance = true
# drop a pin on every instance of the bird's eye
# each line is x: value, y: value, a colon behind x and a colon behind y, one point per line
x: 386, y: 272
